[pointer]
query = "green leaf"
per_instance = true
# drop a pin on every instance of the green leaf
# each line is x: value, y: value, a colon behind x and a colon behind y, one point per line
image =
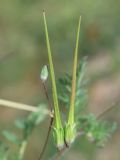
x: 11, y: 137
x: 95, y: 130
x: 20, y: 123
x: 38, y: 116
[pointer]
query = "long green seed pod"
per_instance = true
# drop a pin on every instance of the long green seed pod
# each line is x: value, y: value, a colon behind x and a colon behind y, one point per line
x: 70, y: 128
x: 58, y: 129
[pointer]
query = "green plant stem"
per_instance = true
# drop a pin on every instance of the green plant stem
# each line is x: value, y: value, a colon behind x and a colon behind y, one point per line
x: 22, y: 149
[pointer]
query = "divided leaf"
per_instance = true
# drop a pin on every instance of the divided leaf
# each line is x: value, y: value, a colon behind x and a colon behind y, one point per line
x: 64, y: 88
x: 95, y: 130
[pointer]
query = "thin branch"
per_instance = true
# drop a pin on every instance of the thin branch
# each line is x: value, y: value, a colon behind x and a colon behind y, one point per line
x: 16, y: 105
x: 47, y: 96
x: 51, y: 122
x: 47, y: 138
x: 114, y: 105
x: 6, y: 56
x: 21, y: 106
x: 22, y: 149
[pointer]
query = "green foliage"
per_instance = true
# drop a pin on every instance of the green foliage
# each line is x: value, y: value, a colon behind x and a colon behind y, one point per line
x: 3, y: 151
x: 20, y: 123
x: 11, y: 137
x: 26, y: 125
x: 95, y: 130
x: 64, y: 88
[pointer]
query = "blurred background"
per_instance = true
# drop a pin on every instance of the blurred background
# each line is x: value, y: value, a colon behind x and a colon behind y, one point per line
x: 23, y: 53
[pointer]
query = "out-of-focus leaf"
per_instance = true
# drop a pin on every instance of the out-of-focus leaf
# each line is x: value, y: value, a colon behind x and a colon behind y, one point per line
x: 38, y: 116
x: 34, y: 119
x: 95, y: 130
x: 11, y: 137
x: 3, y: 151
x: 20, y: 123
x: 15, y: 156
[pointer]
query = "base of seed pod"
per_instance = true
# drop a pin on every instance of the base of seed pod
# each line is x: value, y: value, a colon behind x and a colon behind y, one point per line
x: 70, y: 134
x: 58, y: 134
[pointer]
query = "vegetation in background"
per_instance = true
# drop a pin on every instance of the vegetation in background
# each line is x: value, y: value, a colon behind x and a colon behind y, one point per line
x: 87, y: 125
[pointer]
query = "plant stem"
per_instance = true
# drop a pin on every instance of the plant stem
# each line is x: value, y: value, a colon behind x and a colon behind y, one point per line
x: 50, y: 125
x: 16, y: 105
x: 47, y: 96
x: 47, y: 138
x: 114, y: 105
x: 22, y: 149
x: 21, y: 106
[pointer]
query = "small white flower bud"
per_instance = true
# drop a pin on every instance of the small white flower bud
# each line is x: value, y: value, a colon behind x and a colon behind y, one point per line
x: 44, y: 73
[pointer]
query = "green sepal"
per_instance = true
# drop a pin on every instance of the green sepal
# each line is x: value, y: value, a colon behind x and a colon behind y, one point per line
x: 70, y: 133
x: 58, y: 134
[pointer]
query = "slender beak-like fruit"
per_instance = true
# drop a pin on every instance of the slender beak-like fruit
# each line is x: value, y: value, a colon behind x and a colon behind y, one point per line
x: 70, y: 127
x: 58, y: 129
